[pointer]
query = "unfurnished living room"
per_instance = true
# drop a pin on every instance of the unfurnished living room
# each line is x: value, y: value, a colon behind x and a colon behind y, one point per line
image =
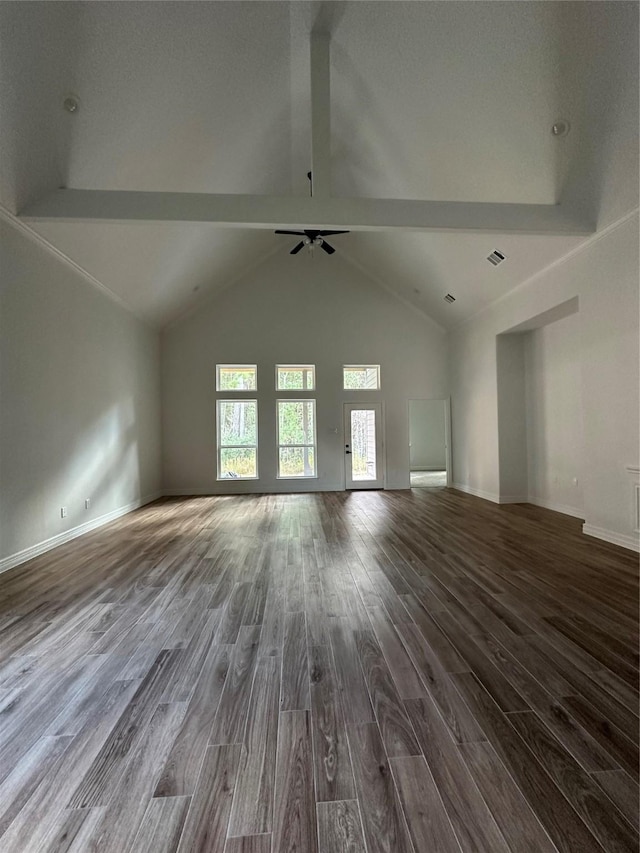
x: 319, y: 427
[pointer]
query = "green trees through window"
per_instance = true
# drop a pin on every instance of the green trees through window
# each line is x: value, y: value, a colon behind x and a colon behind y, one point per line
x: 237, y: 419
x: 237, y: 439
x: 237, y: 377
x: 296, y: 438
x: 295, y: 377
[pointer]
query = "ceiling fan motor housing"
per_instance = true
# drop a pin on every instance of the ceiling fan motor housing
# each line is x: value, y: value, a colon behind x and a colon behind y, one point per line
x: 311, y: 238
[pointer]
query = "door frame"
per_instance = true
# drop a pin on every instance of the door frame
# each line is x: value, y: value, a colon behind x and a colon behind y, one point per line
x: 446, y: 401
x: 382, y: 461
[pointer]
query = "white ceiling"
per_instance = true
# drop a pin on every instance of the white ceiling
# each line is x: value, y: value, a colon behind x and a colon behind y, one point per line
x: 432, y: 100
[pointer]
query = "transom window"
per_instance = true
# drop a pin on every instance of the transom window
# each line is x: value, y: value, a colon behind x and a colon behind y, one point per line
x: 358, y: 377
x: 297, y: 438
x: 295, y: 377
x: 236, y: 377
x: 237, y: 439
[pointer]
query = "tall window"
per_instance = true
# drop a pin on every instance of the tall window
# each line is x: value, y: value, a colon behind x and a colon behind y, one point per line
x: 297, y: 438
x: 236, y: 377
x: 361, y: 377
x: 295, y: 377
x: 237, y: 439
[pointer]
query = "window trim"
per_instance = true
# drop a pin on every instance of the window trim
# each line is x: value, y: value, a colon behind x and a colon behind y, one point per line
x: 314, y: 446
x: 362, y: 367
x: 296, y: 366
x: 220, y: 447
x: 236, y: 390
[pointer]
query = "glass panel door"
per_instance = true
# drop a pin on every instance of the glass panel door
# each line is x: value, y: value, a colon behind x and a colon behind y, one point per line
x: 364, y: 463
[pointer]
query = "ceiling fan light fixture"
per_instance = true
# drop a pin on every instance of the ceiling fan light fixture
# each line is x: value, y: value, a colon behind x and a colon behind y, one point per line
x: 311, y: 237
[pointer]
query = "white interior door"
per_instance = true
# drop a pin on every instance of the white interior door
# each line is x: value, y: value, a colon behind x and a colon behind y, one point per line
x: 363, y: 449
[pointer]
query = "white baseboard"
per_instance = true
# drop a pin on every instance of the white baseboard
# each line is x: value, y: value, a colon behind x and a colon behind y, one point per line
x: 563, y: 508
x: 478, y: 493
x: 519, y: 499
x: 48, y: 544
x: 630, y: 542
x: 490, y: 496
x: 187, y: 493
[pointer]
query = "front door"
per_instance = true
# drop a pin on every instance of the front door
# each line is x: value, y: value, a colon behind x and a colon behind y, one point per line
x: 364, y: 461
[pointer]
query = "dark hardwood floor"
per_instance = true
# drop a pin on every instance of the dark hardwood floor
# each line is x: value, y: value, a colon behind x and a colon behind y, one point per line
x: 390, y: 672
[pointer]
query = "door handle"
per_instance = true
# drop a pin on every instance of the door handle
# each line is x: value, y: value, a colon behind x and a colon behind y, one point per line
x: 348, y: 452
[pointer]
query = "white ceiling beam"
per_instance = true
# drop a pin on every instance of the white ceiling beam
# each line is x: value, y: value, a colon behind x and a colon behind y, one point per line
x: 271, y: 212
x: 320, y: 116
x: 318, y: 211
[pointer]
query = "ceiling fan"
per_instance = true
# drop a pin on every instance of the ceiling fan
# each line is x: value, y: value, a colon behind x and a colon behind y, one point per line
x: 312, y: 238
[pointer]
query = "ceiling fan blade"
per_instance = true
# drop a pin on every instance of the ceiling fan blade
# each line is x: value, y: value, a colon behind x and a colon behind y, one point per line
x: 297, y: 248
x: 310, y: 232
x: 298, y: 233
x: 327, y: 233
x: 328, y: 249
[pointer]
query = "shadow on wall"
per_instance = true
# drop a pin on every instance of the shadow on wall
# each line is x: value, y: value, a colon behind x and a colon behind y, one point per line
x: 102, y: 464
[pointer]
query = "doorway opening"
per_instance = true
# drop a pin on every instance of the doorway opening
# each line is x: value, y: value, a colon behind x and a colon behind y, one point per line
x: 429, y: 462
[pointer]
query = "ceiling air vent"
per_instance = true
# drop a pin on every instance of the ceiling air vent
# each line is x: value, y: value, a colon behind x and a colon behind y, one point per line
x: 449, y: 298
x: 495, y: 258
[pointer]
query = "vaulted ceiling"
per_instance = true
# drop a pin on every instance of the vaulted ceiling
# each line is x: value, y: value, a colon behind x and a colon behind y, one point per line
x: 442, y: 101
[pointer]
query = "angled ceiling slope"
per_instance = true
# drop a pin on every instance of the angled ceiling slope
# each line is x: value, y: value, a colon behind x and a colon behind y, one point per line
x: 320, y: 209
x: 195, y: 123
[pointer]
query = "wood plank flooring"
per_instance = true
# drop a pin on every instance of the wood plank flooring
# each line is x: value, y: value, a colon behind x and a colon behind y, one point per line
x: 374, y: 672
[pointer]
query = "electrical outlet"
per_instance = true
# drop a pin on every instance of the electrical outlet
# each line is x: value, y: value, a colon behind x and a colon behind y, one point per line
x: 87, y: 503
x: 63, y: 512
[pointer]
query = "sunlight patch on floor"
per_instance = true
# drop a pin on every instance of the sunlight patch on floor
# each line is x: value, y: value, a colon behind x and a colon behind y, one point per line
x: 428, y: 479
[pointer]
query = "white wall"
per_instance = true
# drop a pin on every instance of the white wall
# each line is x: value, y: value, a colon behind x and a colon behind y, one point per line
x: 553, y: 371
x: 604, y: 275
x: 512, y: 423
x: 79, y: 398
x: 427, y: 435
x: 298, y: 309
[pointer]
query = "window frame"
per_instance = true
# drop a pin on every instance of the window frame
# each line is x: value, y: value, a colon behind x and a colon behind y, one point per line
x: 220, y: 447
x: 314, y: 446
x: 362, y: 367
x: 296, y: 366
x: 236, y: 390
